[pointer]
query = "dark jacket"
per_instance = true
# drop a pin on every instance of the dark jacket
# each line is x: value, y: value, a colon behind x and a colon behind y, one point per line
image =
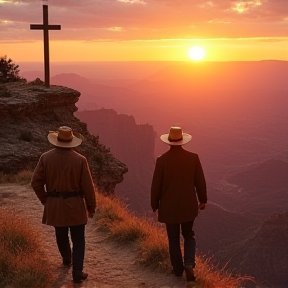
x: 64, y: 170
x: 178, y: 185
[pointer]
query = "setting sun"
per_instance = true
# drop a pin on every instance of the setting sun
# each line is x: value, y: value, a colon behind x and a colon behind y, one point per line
x: 196, y: 53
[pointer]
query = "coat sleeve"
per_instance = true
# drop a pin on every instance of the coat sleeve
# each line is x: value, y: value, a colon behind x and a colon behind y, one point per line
x: 156, y: 186
x: 200, y: 182
x: 38, y: 181
x: 88, y: 187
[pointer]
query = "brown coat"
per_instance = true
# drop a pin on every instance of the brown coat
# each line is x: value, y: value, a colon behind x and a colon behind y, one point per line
x: 64, y: 170
x: 178, y: 181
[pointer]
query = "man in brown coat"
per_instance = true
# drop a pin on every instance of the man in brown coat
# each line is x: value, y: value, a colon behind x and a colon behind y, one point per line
x: 178, y: 190
x: 62, y: 181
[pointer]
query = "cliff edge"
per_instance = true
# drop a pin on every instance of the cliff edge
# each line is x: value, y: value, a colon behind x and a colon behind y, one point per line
x: 28, y: 112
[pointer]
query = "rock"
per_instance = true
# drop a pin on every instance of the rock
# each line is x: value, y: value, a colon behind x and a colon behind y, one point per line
x: 30, y: 113
x: 131, y: 143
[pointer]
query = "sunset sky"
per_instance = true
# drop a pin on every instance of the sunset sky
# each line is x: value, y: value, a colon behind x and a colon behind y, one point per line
x: 146, y: 30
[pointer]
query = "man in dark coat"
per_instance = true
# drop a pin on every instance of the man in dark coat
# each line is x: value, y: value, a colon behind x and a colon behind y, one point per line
x: 178, y: 191
x: 62, y: 181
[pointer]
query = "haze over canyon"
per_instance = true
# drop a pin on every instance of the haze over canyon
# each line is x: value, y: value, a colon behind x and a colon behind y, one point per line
x: 236, y: 114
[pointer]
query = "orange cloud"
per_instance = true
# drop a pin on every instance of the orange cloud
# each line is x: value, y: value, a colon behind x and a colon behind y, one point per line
x: 243, y: 6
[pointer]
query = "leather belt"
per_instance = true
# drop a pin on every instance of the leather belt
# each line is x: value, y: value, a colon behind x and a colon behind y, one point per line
x: 63, y: 194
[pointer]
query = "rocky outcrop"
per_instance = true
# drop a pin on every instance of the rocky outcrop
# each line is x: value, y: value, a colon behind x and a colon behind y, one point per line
x: 28, y: 112
x: 131, y: 143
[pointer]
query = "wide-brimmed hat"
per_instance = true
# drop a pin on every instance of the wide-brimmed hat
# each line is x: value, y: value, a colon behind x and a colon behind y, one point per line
x: 176, y: 137
x: 65, y: 137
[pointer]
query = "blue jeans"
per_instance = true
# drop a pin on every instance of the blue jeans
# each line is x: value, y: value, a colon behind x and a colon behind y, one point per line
x: 78, y: 241
x: 173, y: 233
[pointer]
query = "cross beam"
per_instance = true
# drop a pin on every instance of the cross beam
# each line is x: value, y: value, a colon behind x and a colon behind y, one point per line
x: 46, y: 27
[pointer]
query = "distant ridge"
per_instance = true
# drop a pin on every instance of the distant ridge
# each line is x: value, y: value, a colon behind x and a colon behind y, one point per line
x: 91, y: 89
x: 264, y: 254
x: 32, y: 75
x: 271, y: 174
x: 261, y: 188
x: 217, y: 227
x: 220, y: 75
x: 64, y: 78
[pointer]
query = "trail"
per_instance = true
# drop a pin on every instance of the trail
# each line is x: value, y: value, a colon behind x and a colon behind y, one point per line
x: 108, y: 263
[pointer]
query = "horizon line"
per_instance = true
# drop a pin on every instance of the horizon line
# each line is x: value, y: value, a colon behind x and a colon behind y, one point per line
x: 145, y: 61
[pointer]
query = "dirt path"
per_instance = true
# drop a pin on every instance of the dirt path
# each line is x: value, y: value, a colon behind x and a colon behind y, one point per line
x: 107, y: 263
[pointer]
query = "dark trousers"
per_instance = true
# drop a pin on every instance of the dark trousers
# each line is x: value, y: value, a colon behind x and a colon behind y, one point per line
x: 78, y: 242
x: 173, y: 233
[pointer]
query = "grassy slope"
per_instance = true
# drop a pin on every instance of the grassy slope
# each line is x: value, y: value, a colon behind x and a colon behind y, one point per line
x: 17, y: 238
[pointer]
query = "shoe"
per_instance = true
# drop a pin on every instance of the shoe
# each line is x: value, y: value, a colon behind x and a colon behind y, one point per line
x: 79, y: 278
x: 190, y: 277
x: 67, y: 261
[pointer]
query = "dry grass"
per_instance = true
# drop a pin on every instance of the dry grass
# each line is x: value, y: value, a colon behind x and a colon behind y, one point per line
x: 151, y: 243
x: 22, y: 177
x: 212, y: 277
x: 21, y: 258
x: 22, y: 261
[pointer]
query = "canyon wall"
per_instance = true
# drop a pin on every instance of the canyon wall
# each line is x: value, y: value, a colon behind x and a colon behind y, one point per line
x: 131, y: 143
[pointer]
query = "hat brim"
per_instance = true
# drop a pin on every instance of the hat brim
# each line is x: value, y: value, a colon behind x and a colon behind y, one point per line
x: 185, y: 139
x: 76, y: 141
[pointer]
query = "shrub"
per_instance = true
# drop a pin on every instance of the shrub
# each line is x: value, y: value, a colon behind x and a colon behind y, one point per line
x: 37, y: 81
x: 8, y: 70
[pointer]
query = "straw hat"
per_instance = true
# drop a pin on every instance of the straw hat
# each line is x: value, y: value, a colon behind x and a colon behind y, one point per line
x: 65, y: 138
x: 176, y: 137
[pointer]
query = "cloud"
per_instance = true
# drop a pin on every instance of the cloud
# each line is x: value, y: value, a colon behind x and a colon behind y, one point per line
x: 133, y: 1
x: 243, y: 6
x: 145, y: 19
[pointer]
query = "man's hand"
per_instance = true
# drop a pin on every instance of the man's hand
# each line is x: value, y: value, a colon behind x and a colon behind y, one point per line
x: 91, y: 211
x: 202, y: 206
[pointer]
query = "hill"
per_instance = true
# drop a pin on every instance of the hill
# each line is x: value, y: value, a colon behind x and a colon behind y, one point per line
x: 271, y: 174
x: 261, y: 187
x: 194, y: 76
x: 89, y: 88
x: 264, y: 254
x: 217, y: 228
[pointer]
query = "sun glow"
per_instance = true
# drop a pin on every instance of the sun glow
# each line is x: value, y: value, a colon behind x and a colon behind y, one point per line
x: 196, y: 53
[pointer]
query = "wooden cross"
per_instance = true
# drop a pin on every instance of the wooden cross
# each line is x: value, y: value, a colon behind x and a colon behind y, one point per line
x: 45, y: 27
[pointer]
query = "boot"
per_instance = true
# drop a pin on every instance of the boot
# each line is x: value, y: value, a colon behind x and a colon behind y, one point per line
x: 189, y: 274
x: 79, y: 277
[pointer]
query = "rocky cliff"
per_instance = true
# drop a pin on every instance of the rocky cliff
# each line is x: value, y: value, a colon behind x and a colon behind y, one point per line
x: 29, y: 111
x: 131, y: 143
